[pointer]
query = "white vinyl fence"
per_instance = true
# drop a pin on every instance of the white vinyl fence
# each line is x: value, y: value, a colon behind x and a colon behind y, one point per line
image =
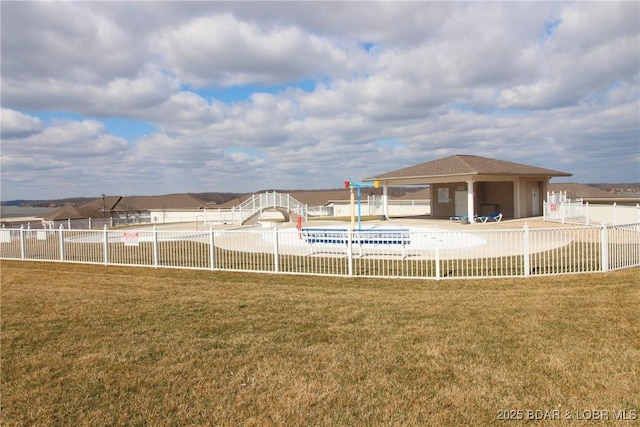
x: 427, y: 253
x: 579, y: 212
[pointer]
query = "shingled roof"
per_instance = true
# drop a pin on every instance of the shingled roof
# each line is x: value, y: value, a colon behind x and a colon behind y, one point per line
x: 92, y: 209
x: 467, y: 165
x: 169, y: 201
x: 65, y: 212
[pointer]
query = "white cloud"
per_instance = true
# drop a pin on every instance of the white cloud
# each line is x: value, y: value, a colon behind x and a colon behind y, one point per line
x: 221, y: 50
x: 117, y: 97
x: 64, y: 153
x: 85, y: 138
x: 68, y: 41
x: 15, y: 124
x: 548, y: 84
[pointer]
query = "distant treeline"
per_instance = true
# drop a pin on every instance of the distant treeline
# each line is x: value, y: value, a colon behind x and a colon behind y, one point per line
x: 47, y: 203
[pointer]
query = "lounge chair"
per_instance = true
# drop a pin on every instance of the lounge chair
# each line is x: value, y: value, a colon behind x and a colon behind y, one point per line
x: 496, y: 216
x: 461, y: 218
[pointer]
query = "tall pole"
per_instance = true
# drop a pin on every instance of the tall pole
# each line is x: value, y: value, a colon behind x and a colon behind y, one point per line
x: 353, y: 208
x: 104, y: 210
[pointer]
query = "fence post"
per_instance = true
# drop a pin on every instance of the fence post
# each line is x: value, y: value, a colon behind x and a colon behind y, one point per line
x: 90, y: 223
x: 22, y: 243
x: 526, y: 250
x: 156, y: 253
x: 212, y: 250
x: 604, y: 248
x: 276, y: 251
x: 69, y: 223
x: 615, y: 213
x: 438, y: 240
x: 61, y: 240
x: 586, y: 213
x: 350, y: 250
x: 105, y: 244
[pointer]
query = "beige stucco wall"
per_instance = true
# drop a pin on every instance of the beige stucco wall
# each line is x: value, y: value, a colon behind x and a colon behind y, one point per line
x: 445, y: 206
x: 488, y: 198
x: 526, y: 199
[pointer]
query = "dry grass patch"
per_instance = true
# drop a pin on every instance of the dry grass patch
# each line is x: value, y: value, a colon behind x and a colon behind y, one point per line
x: 95, y: 345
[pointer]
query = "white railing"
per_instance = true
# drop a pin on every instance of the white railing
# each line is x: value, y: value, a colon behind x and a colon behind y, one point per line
x: 220, y: 216
x: 425, y: 253
x: 254, y: 205
x: 318, y: 211
x: 579, y: 212
x: 76, y: 224
x: 556, y: 198
x: 259, y: 202
x: 564, y: 211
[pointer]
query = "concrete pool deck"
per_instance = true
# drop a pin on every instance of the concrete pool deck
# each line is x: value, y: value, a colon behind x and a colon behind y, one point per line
x: 459, y: 241
x: 408, y: 222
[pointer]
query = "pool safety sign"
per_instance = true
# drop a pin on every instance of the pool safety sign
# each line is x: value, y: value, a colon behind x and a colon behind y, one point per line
x: 131, y: 238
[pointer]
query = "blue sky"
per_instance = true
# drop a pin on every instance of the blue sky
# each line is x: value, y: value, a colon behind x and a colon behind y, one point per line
x: 142, y: 98
x: 233, y: 94
x: 129, y: 129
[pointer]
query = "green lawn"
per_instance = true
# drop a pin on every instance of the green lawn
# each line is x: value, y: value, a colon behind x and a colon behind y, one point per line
x: 94, y: 345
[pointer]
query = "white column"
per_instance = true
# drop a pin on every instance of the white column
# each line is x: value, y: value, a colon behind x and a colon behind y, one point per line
x: 385, y: 201
x: 470, y: 201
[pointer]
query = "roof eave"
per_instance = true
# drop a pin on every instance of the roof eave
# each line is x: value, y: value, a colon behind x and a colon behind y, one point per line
x: 549, y: 174
x: 396, y: 178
